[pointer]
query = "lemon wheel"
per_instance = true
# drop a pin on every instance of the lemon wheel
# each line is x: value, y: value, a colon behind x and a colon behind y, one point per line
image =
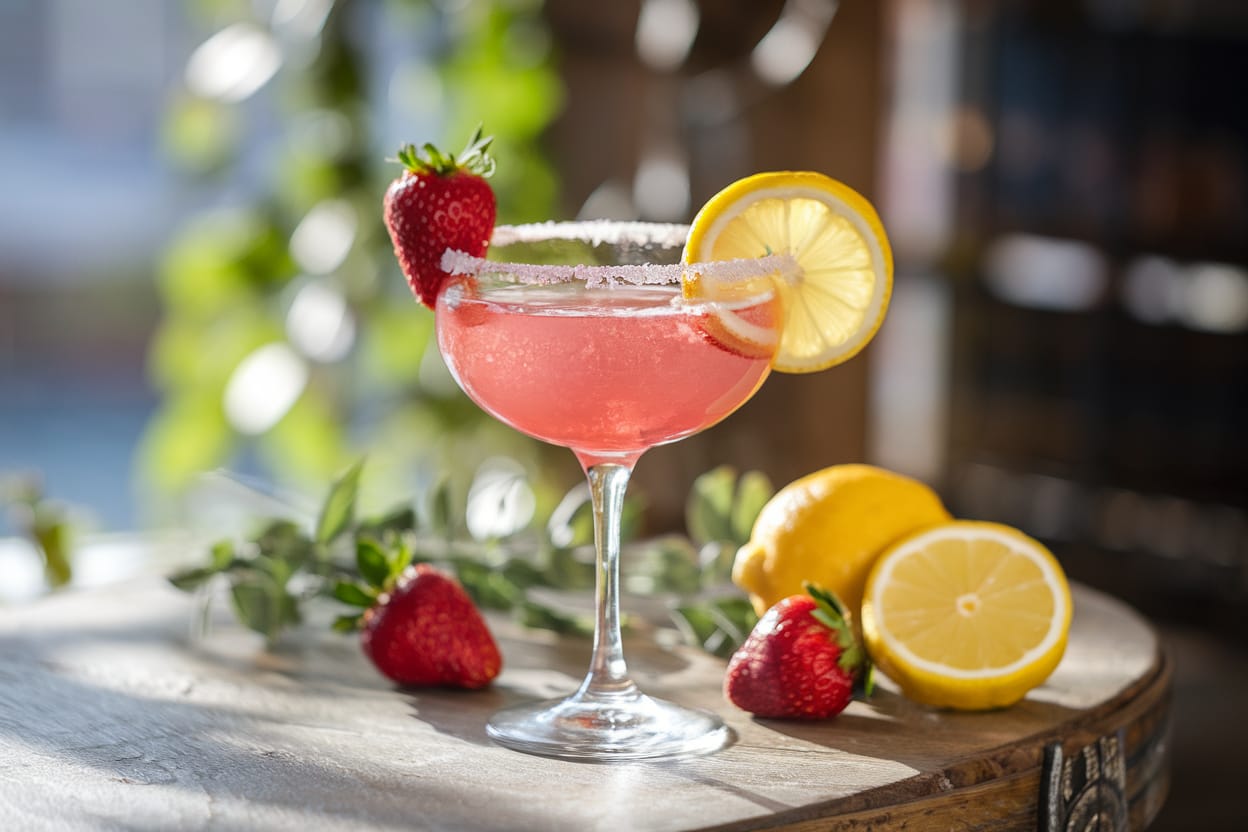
x: 836, y: 299
x: 967, y: 615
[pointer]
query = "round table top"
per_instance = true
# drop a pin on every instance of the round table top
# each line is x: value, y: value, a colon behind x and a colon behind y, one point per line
x: 112, y: 716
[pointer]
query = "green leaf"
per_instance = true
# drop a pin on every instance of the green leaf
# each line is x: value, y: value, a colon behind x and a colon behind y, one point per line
x: 719, y: 627
x: 708, y: 511
x: 698, y: 626
x: 339, y: 509
x: 851, y: 656
x: 51, y: 535
x: 189, y: 580
x: 665, y: 564
x: 440, y: 517
x: 264, y: 607
x: 399, y: 558
x: 349, y: 593
x: 488, y: 587
x: 754, y: 489
x: 277, y: 568
x: 523, y: 574
x: 866, y: 682
x: 541, y: 617
x: 221, y: 555
x: 717, y: 560
x: 372, y: 562
x: 563, y: 569
x: 347, y: 623
x: 284, y: 542
x: 396, y: 521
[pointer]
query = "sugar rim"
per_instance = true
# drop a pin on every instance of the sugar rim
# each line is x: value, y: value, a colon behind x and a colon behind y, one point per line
x: 610, y: 233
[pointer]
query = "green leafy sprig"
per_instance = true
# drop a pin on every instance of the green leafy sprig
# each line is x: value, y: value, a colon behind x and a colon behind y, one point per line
x: 719, y: 515
x: 274, y: 571
x: 355, y: 560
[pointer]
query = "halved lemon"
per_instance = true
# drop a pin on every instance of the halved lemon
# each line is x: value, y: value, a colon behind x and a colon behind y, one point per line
x: 836, y: 299
x: 967, y: 615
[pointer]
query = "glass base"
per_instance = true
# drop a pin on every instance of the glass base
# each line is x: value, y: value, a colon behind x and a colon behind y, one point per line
x: 602, y: 727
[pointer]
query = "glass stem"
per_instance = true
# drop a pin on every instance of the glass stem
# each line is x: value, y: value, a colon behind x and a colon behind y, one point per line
x: 608, y: 673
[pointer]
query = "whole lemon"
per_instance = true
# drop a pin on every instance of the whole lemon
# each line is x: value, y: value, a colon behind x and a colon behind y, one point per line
x: 828, y: 528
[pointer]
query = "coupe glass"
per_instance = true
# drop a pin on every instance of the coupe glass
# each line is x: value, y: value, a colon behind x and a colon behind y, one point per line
x: 577, y: 334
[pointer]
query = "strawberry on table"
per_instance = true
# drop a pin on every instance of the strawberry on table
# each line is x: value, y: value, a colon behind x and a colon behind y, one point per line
x: 420, y: 627
x: 801, y: 661
x: 439, y: 202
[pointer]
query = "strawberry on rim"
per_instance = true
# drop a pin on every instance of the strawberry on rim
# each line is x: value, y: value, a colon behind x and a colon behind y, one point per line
x: 440, y: 202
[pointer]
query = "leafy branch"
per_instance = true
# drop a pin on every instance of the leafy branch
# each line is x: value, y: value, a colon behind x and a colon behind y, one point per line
x: 353, y: 561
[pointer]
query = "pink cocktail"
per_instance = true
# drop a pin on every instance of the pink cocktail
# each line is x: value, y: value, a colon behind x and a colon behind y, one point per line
x: 607, y: 359
x: 607, y: 373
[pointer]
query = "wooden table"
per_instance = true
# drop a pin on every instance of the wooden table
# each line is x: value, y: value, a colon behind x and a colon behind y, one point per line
x: 112, y: 717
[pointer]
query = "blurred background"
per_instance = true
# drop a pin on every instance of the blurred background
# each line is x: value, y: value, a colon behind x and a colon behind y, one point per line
x: 194, y: 277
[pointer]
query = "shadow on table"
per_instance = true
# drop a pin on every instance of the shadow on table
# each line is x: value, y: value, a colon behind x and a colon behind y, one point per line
x: 921, y: 737
x: 227, y: 763
x: 91, y: 710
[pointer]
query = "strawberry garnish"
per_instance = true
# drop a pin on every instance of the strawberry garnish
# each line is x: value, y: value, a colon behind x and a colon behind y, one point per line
x: 440, y: 202
x: 801, y: 661
x: 420, y: 628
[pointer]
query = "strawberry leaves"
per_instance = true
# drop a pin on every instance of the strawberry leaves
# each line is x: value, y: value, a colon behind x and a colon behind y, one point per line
x: 379, y: 568
x: 830, y: 611
x: 474, y: 158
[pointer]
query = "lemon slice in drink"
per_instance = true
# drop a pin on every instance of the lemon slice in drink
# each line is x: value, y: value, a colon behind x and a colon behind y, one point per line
x: 836, y: 300
x: 967, y: 615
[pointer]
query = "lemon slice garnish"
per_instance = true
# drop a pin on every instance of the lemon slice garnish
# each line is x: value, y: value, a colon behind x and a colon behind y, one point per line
x: 836, y: 299
x: 967, y: 615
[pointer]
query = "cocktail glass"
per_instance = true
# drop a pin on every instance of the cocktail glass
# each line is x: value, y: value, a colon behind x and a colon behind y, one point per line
x: 609, y: 360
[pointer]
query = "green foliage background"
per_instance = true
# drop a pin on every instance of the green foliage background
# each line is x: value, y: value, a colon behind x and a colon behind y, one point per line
x: 228, y: 277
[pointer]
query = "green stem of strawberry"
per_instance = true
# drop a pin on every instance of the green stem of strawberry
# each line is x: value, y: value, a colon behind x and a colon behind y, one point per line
x: 474, y: 158
x: 831, y: 612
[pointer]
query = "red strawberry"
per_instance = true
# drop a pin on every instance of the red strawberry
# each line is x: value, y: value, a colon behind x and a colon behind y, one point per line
x: 801, y: 661
x: 438, y: 203
x: 425, y: 631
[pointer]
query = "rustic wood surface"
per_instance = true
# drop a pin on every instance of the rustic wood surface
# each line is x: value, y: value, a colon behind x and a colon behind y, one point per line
x: 113, y: 717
